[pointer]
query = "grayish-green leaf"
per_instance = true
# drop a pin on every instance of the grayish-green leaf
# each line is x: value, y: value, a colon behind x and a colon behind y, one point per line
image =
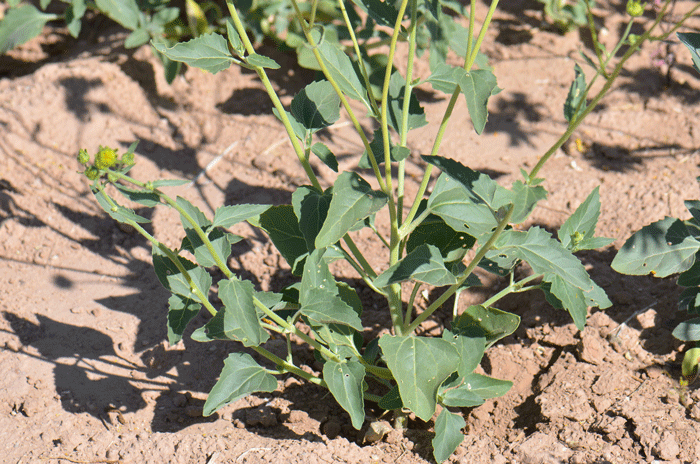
x: 424, y: 264
x: 237, y: 296
x: 234, y: 39
x: 689, y: 300
x: 282, y: 226
x: 297, y: 126
x: 117, y: 212
x: 143, y: 197
x: 482, y: 321
x: 353, y: 201
x: 545, y: 255
x: 240, y: 377
x: 692, y: 41
x: 525, y: 198
x: 175, y: 281
x: 344, y: 380
x: 384, y: 13
x: 137, y: 38
x: 343, y: 72
x: 576, y: 94
x: 480, y: 385
x: 316, y: 275
x: 208, y: 52
x: 316, y: 106
x: 226, y: 216
x: 452, y: 244
x: 324, y: 307
x: 477, y: 86
x: 170, y: 182
x: 125, y: 12
x: 311, y: 209
x: 326, y: 155
x: 663, y: 248
x: 577, y: 231
x: 470, y: 348
x: 416, y: 114
x: 570, y: 297
x: 392, y: 400
x: 688, y: 331
x: 419, y: 365
x: 448, y: 434
x: 181, y: 311
x: 261, y: 61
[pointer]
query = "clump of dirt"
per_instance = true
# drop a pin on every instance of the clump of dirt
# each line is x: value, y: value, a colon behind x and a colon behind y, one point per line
x: 86, y: 374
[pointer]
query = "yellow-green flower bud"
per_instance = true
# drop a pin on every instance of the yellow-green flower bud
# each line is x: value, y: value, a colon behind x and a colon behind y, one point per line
x: 635, y: 8
x: 105, y: 158
x: 112, y: 177
x: 128, y: 159
x: 633, y: 39
x: 83, y: 157
x: 92, y: 173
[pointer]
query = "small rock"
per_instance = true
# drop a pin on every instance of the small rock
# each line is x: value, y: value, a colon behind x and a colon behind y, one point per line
x: 394, y: 437
x: 180, y: 400
x: 331, y: 429
x: 540, y: 448
x: 667, y: 448
x: 297, y: 416
x: 590, y: 348
x: 695, y: 412
x: 13, y: 345
x: 262, y: 416
x: 376, y: 431
x: 193, y: 411
x: 238, y: 424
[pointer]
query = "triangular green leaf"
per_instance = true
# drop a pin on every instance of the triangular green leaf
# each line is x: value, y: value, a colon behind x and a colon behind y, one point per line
x: 570, y: 297
x: 343, y: 72
x: 125, y: 12
x: 143, y: 197
x: 434, y: 231
x: 226, y: 216
x: 316, y: 106
x: 470, y: 348
x: 525, y: 198
x: 477, y: 86
x: 240, y: 377
x: 117, y: 212
x: 448, y: 434
x: 324, y: 307
x: 692, y: 41
x: 392, y: 400
x: 311, y: 209
x: 688, y: 331
x: 579, y: 228
x: 423, y: 264
x: 173, y: 280
x: 326, y: 155
x: 237, y: 296
x: 545, y: 255
x: 416, y: 114
x: 419, y: 365
x: 182, y: 311
x: 384, y: 13
x: 261, y: 61
x: 208, y: 52
x: 662, y: 248
x: 282, y: 226
x: 344, y: 380
x: 482, y: 321
x: 353, y: 201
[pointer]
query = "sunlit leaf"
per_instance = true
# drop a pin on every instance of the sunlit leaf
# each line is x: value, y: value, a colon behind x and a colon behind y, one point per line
x: 448, y: 434
x: 316, y: 106
x: 208, y: 52
x: 344, y: 380
x: 419, y: 365
x: 240, y: 377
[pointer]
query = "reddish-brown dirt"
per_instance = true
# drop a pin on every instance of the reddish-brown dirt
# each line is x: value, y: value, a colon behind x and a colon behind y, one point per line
x: 87, y: 376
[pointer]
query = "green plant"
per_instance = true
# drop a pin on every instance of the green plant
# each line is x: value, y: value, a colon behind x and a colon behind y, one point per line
x: 672, y: 246
x: 435, y: 240
x: 566, y: 14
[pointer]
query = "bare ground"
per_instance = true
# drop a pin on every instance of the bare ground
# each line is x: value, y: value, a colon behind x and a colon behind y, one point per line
x: 87, y: 376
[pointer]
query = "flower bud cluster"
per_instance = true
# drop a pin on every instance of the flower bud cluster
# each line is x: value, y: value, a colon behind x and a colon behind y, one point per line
x: 105, y: 159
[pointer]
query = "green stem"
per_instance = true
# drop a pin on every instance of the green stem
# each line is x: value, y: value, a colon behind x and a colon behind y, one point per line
x: 603, y: 91
x: 411, y: 300
x: 453, y: 288
x: 343, y: 99
x: 512, y: 288
x: 262, y: 74
x: 285, y: 366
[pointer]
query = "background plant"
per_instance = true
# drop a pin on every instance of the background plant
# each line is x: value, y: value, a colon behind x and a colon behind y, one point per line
x: 435, y: 240
x: 672, y: 246
x: 566, y: 14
